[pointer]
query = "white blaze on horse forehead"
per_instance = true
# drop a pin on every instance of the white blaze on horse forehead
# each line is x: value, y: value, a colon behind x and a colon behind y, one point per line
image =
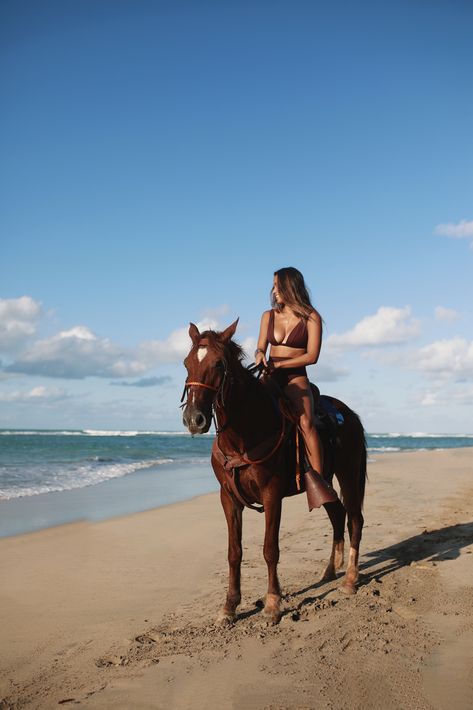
x: 201, y: 352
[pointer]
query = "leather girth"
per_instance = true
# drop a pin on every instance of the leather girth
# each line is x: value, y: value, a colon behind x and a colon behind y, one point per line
x: 232, y: 479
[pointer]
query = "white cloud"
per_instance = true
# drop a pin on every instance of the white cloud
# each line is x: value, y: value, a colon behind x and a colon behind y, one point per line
x: 18, y: 321
x: 329, y: 373
x: 386, y: 327
x: 463, y: 396
x: 446, y: 314
x: 249, y: 347
x: 79, y: 331
x: 145, y: 382
x: 445, y: 395
x: 429, y: 399
x: 75, y: 354
x: 447, y: 359
x: 175, y: 347
x: 37, y: 394
x: 462, y: 230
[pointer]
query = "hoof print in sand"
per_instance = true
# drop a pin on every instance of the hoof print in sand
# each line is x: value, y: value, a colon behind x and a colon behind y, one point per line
x: 146, y: 639
x: 66, y: 701
x: 112, y: 661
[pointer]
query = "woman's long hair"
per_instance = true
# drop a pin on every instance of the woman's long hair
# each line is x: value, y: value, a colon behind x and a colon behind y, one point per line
x: 294, y: 292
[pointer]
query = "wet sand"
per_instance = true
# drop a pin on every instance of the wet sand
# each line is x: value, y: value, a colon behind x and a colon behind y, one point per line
x: 143, y: 490
x: 120, y: 613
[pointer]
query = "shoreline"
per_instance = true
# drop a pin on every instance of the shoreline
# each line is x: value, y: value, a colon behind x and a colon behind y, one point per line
x: 120, y: 613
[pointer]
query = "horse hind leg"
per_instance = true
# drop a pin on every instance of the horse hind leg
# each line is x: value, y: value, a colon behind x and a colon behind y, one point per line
x: 353, y: 499
x: 355, y: 527
x: 351, y: 474
x: 337, y: 513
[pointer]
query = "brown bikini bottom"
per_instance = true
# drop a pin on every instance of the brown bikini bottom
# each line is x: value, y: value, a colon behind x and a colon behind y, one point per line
x: 284, y: 375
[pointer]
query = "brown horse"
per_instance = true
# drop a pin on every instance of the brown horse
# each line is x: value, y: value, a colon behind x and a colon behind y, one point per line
x: 250, y: 461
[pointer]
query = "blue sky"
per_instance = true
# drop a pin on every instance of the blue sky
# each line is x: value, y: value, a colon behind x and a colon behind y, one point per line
x: 160, y: 160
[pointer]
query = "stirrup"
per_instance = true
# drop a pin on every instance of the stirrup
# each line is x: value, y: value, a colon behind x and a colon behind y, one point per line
x: 318, y: 490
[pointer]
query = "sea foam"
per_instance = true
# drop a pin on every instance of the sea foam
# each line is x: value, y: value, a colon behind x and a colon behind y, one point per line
x: 66, y: 477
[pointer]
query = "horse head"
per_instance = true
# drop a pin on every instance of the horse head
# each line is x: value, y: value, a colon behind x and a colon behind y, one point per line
x: 207, y: 373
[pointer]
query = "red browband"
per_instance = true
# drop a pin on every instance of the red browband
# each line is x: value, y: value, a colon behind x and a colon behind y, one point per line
x: 201, y: 384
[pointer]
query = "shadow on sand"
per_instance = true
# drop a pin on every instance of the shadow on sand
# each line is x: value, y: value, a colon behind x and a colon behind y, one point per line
x: 431, y: 545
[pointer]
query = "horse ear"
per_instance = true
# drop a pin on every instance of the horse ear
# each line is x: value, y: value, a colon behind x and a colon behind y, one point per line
x: 230, y: 331
x: 194, y: 333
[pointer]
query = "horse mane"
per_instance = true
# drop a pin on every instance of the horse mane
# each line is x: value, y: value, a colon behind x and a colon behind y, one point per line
x: 232, y: 353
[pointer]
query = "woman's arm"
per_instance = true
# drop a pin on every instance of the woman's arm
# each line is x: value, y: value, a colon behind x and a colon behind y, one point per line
x: 260, y: 354
x: 314, y: 342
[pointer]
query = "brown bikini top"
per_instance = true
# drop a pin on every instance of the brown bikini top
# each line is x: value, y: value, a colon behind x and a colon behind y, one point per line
x: 297, y: 338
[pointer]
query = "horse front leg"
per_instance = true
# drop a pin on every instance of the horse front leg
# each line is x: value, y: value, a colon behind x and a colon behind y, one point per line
x: 272, y: 507
x: 233, y: 514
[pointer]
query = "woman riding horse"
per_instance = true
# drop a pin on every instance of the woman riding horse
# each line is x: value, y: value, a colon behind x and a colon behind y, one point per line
x: 250, y: 461
x: 293, y: 328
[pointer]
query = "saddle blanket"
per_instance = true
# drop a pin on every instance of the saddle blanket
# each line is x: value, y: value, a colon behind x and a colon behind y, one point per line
x: 327, y: 407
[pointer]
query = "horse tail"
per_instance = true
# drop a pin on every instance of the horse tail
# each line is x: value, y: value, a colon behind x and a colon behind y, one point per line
x: 362, y: 474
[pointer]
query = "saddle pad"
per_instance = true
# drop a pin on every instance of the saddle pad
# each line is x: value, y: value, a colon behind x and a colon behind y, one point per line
x: 327, y: 407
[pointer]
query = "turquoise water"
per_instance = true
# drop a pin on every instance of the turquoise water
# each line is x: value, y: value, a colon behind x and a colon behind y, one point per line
x: 421, y: 441
x: 38, y: 462
x: 35, y: 462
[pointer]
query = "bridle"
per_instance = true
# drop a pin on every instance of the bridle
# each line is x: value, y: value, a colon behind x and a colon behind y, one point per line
x: 218, y: 401
x: 220, y: 396
x: 197, y: 384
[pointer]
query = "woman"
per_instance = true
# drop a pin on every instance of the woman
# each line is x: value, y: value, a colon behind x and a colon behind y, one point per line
x: 293, y: 328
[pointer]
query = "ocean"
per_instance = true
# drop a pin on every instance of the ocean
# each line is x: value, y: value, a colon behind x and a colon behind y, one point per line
x: 33, y: 462
x: 105, y: 473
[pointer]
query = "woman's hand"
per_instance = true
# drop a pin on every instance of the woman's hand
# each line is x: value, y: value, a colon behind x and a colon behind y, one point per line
x: 260, y: 358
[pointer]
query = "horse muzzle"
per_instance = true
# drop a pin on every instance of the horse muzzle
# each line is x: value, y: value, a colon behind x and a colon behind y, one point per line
x: 196, y: 421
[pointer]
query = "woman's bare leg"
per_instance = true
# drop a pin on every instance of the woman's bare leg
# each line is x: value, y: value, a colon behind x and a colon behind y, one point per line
x: 300, y: 395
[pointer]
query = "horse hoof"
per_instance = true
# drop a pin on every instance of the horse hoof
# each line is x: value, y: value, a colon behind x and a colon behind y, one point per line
x: 272, y: 616
x: 225, y: 618
x: 273, y: 619
x: 349, y: 589
x: 272, y: 611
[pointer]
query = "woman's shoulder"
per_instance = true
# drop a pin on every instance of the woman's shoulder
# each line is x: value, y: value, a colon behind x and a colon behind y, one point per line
x: 266, y: 314
x: 314, y: 317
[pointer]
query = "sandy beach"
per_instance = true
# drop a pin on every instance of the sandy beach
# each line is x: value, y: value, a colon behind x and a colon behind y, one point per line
x: 120, y: 613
